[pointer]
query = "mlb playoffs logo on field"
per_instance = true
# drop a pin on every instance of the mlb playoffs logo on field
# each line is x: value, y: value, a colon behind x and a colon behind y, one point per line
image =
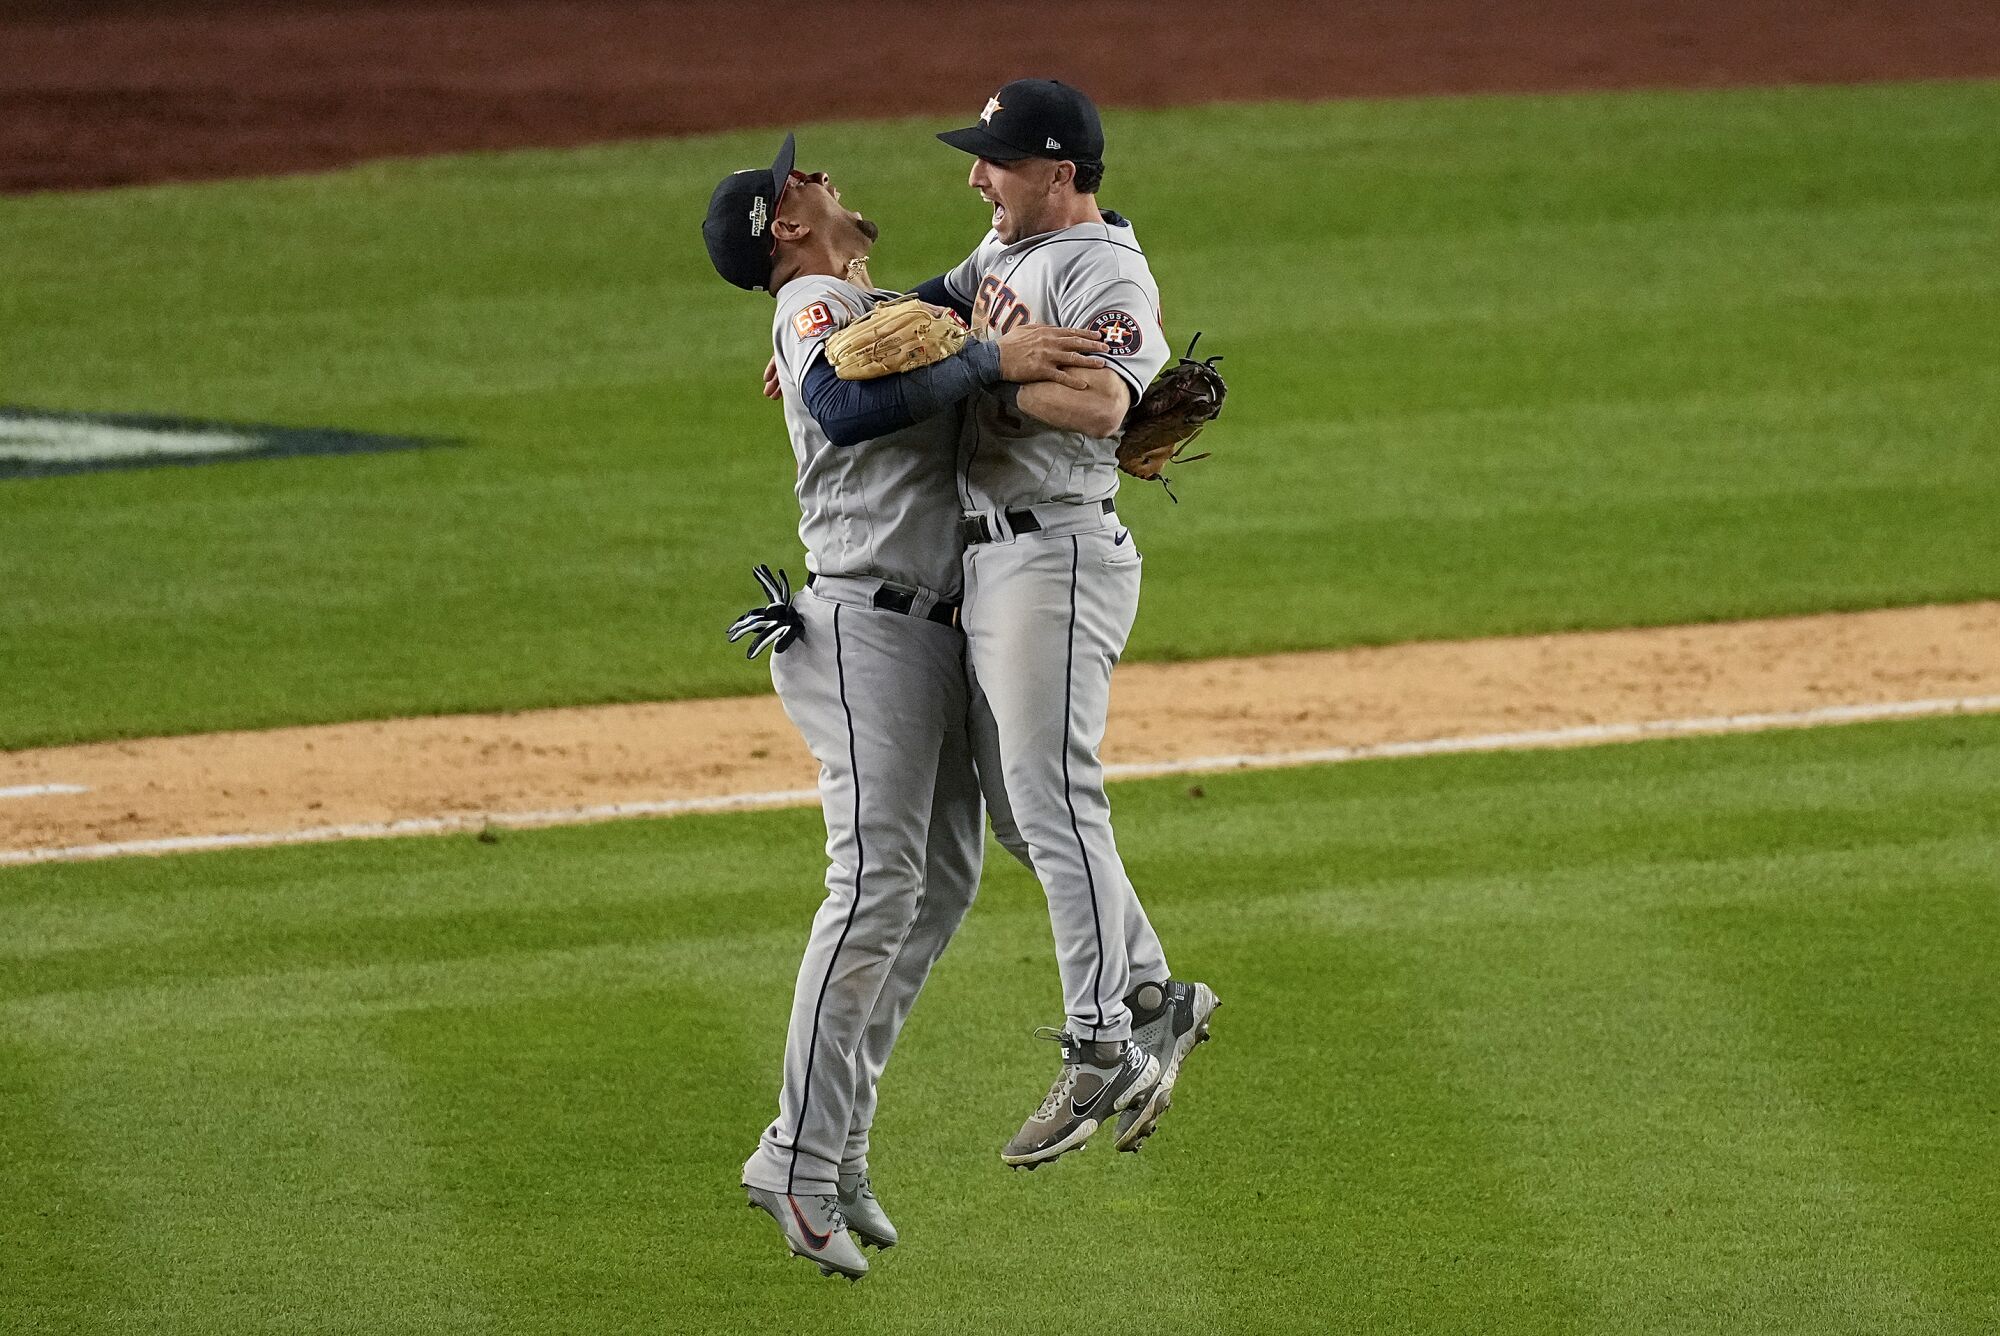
x: 35, y: 444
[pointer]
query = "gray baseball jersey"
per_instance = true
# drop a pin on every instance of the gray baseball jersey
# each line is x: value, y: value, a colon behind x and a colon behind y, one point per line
x: 1090, y: 276
x: 887, y: 507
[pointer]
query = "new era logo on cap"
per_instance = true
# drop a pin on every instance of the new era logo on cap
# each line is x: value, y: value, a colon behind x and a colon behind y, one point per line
x: 1052, y: 144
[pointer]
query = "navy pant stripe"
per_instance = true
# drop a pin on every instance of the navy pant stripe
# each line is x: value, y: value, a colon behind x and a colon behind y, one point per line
x: 1089, y: 880
x: 860, y: 861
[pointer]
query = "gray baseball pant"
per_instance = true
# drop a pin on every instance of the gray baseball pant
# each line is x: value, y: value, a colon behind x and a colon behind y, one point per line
x: 881, y: 700
x: 1046, y: 617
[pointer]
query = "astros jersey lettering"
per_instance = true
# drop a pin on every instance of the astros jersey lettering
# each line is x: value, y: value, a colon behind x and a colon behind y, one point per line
x: 887, y: 507
x: 1090, y: 276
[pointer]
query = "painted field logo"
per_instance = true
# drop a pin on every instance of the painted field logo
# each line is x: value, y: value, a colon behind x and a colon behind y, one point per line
x: 36, y: 444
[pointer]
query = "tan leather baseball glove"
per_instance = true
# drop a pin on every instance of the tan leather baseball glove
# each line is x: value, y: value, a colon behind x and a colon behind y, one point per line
x: 896, y: 336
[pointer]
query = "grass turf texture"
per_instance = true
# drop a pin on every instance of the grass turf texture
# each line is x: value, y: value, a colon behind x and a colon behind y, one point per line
x: 1688, y: 1036
x: 1500, y: 365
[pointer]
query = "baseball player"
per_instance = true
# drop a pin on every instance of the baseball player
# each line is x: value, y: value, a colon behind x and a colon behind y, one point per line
x: 1051, y: 590
x: 869, y: 665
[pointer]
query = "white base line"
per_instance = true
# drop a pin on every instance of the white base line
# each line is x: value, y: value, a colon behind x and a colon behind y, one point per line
x: 427, y: 825
x: 1581, y: 735
x: 42, y: 790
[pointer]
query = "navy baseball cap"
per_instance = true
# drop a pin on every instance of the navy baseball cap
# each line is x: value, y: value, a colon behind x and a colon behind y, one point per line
x: 740, y: 214
x: 1034, y: 118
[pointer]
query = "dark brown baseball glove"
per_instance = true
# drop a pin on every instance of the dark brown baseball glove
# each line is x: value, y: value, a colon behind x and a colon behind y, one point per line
x: 1183, y: 399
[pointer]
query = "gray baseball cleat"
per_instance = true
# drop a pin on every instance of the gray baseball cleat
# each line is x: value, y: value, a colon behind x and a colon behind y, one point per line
x: 1169, y: 1033
x: 865, y: 1216
x: 1097, y: 1080
x: 814, y: 1229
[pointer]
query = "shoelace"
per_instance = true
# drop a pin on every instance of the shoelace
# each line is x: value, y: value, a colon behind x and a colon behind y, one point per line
x: 1065, y: 1082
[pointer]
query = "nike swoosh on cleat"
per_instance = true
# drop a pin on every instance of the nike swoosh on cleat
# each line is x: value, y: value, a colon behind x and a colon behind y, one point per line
x: 813, y: 1241
x: 1082, y: 1110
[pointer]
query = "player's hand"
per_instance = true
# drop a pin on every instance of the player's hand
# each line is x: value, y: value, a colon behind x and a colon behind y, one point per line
x: 771, y: 390
x: 1049, y: 352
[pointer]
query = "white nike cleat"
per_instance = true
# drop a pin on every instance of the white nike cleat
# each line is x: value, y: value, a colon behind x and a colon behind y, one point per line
x: 865, y: 1217
x: 1097, y: 1080
x: 814, y: 1229
x: 1169, y: 1035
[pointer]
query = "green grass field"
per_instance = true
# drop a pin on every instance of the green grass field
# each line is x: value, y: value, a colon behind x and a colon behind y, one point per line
x: 1499, y: 365
x: 1696, y: 1036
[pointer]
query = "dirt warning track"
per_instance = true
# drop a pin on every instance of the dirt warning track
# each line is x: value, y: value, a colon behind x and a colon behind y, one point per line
x: 119, y: 92
x: 417, y: 776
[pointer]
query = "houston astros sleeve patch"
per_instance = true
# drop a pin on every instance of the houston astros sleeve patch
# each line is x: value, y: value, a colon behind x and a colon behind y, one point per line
x: 1122, y: 334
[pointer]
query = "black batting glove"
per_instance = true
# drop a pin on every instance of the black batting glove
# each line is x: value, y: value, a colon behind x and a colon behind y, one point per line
x: 777, y: 624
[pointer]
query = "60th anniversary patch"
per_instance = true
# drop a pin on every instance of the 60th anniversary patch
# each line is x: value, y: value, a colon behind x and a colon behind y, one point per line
x: 37, y: 443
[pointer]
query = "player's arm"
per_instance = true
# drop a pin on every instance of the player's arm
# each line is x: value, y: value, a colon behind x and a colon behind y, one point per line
x: 853, y: 411
x: 1097, y: 408
x: 1123, y: 314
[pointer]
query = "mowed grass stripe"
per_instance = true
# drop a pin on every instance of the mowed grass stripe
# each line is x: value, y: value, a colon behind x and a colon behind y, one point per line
x: 1499, y: 365
x: 1688, y: 1035
x: 232, y: 1193
x: 1683, y: 1095
x: 1892, y: 1123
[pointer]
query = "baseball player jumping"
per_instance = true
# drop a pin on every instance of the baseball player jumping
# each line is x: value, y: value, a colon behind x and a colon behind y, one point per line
x: 1051, y: 590
x: 869, y: 664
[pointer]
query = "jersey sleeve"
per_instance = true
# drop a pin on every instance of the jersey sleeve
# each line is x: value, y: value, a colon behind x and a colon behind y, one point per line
x: 808, y: 311
x: 1127, y: 314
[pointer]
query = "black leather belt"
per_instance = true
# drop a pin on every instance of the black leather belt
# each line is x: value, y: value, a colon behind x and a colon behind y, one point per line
x: 975, y: 529
x: 903, y: 601
x: 895, y: 600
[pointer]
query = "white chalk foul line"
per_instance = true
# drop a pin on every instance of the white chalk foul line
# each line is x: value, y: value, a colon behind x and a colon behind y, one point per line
x: 428, y: 825
x: 42, y: 790
x: 1580, y: 735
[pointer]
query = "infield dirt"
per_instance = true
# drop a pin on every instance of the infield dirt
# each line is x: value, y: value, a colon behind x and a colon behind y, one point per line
x: 290, y: 780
